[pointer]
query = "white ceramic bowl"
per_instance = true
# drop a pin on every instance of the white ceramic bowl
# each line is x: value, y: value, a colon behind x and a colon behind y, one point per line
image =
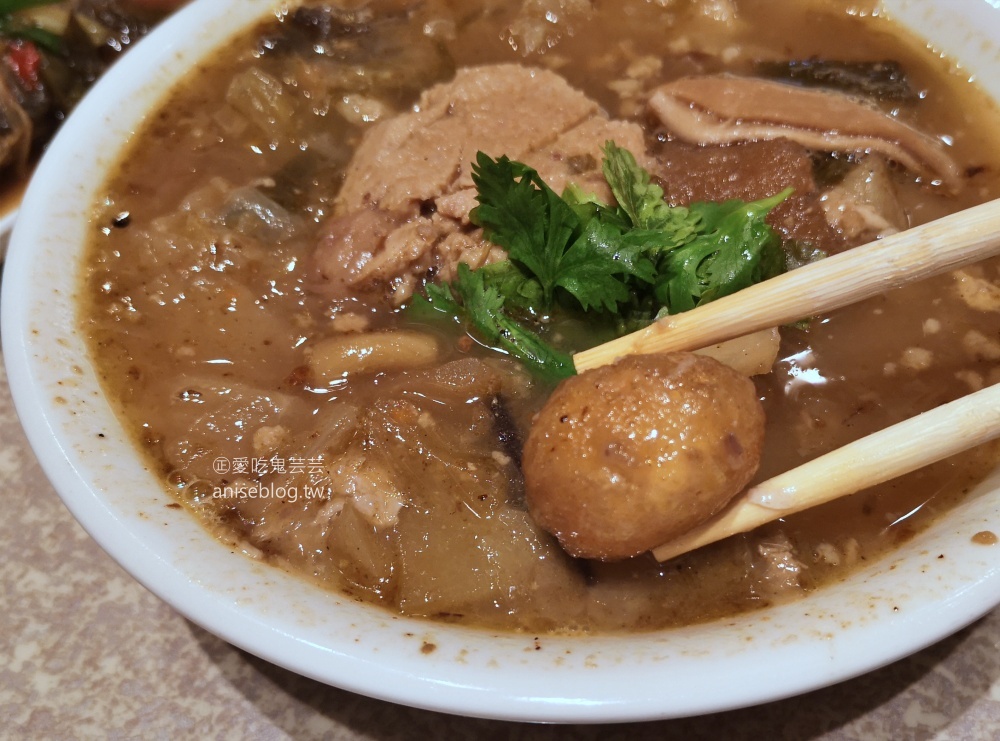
x: 892, y: 608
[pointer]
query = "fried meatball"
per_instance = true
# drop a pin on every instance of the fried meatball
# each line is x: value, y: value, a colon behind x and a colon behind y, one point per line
x: 624, y: 457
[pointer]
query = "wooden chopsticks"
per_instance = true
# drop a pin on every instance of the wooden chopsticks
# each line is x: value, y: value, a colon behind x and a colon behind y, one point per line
x: 840, y: 280
x: 881, y: 456
x: 936, y: 247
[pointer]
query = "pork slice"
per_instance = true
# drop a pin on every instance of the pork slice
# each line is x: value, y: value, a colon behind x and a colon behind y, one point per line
x: 347, y: 246
x: 376, y: 251
x: 575, y: 157
x: 750, y: 171
x: 416, y: 170
x: 469, y: 248
x: 409, y: 243
x: 416, y: 157
x: 457, y: 205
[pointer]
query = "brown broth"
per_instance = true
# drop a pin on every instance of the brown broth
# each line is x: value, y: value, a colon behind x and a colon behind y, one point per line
x: 200, y: 332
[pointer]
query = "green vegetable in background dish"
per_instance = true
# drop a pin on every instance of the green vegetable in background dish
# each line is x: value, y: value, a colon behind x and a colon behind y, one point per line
x: 51, y: 52
x: 12, y: 28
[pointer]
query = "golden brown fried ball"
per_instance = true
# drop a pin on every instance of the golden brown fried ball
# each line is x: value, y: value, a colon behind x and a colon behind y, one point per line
x: 625, y: 457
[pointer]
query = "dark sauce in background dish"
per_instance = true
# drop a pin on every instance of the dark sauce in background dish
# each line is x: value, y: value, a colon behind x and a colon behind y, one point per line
x: 51, y: 52
x: 200, y: 330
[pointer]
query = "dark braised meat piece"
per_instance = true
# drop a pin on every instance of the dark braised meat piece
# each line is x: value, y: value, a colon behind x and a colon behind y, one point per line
x: 750, y: 171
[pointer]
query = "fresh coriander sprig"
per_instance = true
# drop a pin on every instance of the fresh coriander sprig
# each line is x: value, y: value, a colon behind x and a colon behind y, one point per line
x: 473, y: 297
x: 543, y: 233
x: 736, y: 249
x: 631, y: 263
x: 642, y: 200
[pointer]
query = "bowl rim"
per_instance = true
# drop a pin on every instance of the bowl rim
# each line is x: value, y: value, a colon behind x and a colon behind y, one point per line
x: 850, y: 628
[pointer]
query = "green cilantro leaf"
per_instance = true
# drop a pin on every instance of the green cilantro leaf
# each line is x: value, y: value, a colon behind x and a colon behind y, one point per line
x: 643, y: 200
x: 632, y: 263
x: 592, y: 263
x: 563, y: 244
x: 482, y: 305
x: 522, y: 293
x: 740, y: 250
x: 524, y: 216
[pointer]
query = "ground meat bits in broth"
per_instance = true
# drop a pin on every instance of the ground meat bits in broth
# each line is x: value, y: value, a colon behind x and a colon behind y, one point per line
x: 235, y: 338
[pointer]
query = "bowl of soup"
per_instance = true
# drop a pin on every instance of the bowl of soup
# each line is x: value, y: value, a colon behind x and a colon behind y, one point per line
x: 293, y: 294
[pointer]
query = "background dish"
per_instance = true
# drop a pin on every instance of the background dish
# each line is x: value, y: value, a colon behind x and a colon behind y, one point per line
x: 51, y: 51
x: 841, y: 632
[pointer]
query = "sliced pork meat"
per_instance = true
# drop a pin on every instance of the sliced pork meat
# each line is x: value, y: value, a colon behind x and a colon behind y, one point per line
x: 348, y: 247
x: 575, y: 157
x: 415, y: 171
x: 418, y: 157
x: 402, y: 215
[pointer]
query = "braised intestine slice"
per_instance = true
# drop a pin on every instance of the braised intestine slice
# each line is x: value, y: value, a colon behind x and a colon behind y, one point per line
x: 721, y: 109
